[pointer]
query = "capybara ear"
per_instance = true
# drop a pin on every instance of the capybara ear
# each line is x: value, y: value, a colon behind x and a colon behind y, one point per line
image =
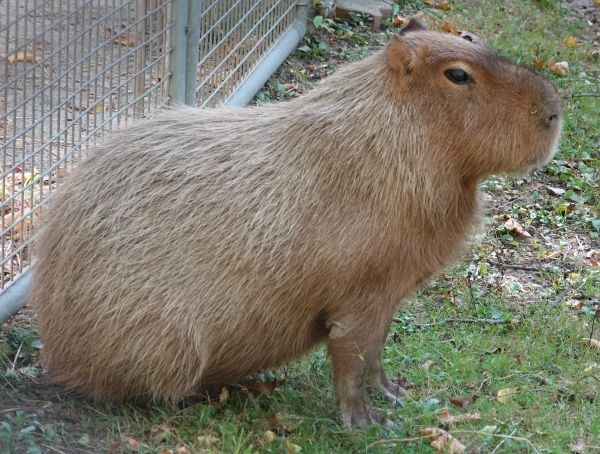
x: 400, y: 54
x: 415, y: 24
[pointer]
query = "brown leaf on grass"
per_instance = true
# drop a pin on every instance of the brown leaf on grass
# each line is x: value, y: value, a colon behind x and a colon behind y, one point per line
x: 167, y: 451
x: 446, y: 417
x: 445, y: 5
x: 560, y: 68
x: 538, y: 63
x: 593, y: 255
x: 131, y: 443
x: 442, y: 441
x: 570, y: 41
x: 515, y: 228
x: 593, y: 343
x: 463, y: 401
x: 183, y: 450
x: 269, y: 422
x: 399, y: 20
x: 449, y: 27
x: 263, y: 387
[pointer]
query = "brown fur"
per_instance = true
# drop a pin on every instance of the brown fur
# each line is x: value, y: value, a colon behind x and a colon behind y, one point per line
x: 195, y: 248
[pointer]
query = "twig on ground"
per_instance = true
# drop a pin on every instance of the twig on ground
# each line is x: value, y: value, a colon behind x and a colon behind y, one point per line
x: 512, y: 266
x: 490, y: 321
x: 487, y: 434
x: 395, y: 440
x: 14, y: 364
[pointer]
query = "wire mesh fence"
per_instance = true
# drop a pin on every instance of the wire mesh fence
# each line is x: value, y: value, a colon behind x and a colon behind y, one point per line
x: 72, y: 70
x: 69, y: 71
x: 234, y: 35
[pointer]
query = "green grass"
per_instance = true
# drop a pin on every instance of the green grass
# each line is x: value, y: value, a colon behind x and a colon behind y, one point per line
x: 550, y: 298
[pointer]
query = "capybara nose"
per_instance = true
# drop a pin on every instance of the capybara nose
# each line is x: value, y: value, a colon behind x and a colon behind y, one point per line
x: 551, y: 121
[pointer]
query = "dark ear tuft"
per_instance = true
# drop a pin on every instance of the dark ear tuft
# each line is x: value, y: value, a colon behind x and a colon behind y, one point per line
x: 415, y: 24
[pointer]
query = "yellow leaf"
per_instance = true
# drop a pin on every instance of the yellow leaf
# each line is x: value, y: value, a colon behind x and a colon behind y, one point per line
x: 293, y: 448
x: 223, y: 395
x: 570, y: 41
x: 591, y: 342
x: 22, y: 56
x: 269, y: 437
x: 504, y: 394
x: 448, y: 27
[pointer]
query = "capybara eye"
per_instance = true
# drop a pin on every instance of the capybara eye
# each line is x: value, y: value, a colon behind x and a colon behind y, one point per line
x: 458, y: 76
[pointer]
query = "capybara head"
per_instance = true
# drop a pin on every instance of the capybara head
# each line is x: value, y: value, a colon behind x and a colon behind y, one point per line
x: 197, y: 247
x: 489, y: 114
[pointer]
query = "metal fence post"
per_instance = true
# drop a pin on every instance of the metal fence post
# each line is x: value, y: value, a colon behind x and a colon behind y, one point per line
x: 177, y: 82
x: 193, y: 43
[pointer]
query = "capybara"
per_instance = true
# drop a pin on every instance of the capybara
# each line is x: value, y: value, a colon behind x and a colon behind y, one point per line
x: 195, y: 248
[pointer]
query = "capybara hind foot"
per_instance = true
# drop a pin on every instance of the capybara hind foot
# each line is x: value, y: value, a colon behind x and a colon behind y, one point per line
x: 360, y: 413
x: 391, y: 391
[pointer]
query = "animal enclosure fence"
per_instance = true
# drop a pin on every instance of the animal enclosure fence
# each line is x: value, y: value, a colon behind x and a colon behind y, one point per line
x: 73, y: 70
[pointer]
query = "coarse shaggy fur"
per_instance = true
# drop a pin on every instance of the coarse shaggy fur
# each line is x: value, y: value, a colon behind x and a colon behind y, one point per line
x: 195, y: 248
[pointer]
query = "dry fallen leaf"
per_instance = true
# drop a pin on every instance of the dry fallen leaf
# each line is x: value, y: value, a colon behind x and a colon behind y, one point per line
x: 438, y: 5
x: 538, y: 63
x: 399, y: 20
x: 131, y: 443
x: 293, y: 448
x: 426, y: 365
x: 504, y: 394
x: 593, y: 343
x: 578, y: 447
x: 550, y: 255
x: 22, y: 56
x: 167, y: 451
x: 223, y: 395
x: 183, y: 450
x: 555, y: 191
x: 442, y: 441
x: 515, y: 228
x: 570, y: 41
x: 208, y: 440
x: 463, y: 401
x: 263, y: 387
x: 454, y: 419
x: 593, y: 255
x: 448, y: 27
x: 560, y: 68
x: 269, y: 437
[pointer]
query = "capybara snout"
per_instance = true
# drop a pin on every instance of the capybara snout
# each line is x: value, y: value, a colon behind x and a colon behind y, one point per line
x: 197, y: 247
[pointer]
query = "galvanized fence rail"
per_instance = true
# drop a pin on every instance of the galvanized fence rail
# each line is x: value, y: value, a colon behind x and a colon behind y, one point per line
x: 73, y: 70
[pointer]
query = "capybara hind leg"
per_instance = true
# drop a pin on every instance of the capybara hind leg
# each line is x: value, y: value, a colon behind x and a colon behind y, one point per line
x: 379, y: 380
x: 349, y: 376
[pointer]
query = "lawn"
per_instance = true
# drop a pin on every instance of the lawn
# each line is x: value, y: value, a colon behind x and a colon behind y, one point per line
x: 493, y: 351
